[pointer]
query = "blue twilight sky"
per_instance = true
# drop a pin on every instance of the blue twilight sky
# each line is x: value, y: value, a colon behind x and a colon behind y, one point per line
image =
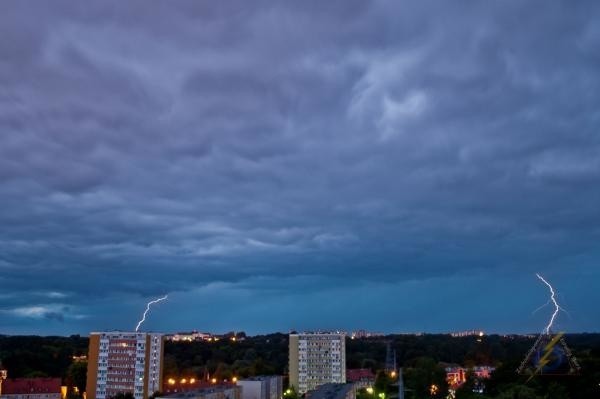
x: 396, y: 166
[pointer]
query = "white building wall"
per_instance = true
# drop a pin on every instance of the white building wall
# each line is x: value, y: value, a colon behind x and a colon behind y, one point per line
x: 155, y: 365
x: 321, y: 360
x: 251, y: 389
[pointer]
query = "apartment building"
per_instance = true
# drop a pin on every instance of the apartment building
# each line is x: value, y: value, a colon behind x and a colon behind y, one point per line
x: 124, y: 362
x: 316, y: 359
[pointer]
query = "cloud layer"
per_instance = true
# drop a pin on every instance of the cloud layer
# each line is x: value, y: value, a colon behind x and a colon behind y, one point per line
x: 252, y: 156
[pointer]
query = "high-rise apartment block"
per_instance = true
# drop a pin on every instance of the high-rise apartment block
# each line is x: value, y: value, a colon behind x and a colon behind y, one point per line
x: 124, y: 362
x: 316, y: 359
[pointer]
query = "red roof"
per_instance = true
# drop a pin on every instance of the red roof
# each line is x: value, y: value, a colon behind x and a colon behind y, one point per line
x: 353, y: 375
x: 18, y: 386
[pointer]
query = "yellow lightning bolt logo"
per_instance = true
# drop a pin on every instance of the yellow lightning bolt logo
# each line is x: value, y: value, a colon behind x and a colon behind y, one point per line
x: 545, y: 359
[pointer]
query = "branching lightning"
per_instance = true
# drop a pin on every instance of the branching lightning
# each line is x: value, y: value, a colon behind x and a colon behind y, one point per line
x: 543, y: 352
x: 557, y: 307
x: 541, y: 307
x: 148, y: 309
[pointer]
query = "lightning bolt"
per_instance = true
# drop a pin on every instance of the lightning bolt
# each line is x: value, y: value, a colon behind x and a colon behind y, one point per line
x: 557, y: 307
x: 148, y: 309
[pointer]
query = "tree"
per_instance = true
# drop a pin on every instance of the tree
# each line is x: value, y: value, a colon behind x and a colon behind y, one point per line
x: 77, y: 377
x: 363, y: 394
x: 518, y: 391
x: 426, y: 379
x: 291, y: 393
x: 465, y: 391
x: 382, y: 382
x: 557, y: 391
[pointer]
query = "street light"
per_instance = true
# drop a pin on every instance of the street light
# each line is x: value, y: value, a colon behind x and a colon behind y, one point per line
x: 433, y: 389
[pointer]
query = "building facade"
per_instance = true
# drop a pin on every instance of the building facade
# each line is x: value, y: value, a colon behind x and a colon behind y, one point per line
x: 189, y: 337
x: 456, y: 376
x: 31, y: 388
x: 124, y: 362
x: 214, y: 392
x: 262, y: 387
x: 316, y: 359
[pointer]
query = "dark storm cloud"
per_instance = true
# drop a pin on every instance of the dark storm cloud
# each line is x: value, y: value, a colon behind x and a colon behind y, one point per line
x: 277, y: 147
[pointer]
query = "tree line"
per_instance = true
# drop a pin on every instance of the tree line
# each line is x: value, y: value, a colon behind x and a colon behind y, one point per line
x: 422, y: 357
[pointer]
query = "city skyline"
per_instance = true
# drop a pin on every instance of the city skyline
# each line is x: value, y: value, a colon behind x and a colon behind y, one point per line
x: 389, y: 166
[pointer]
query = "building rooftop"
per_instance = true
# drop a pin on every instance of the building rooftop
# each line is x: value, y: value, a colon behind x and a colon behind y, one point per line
x: 259, y: 378
x: 201, y: 391
x: 20, y: 386
x: 330, y: 391
x: 353, y: 375
x: 319, y: 333
x: 172, y: 386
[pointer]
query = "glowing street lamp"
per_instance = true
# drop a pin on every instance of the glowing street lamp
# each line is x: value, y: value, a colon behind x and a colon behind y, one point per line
x: 433, y: 389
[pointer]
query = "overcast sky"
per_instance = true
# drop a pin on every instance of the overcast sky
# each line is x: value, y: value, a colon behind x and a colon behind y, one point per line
x: 396, y: 166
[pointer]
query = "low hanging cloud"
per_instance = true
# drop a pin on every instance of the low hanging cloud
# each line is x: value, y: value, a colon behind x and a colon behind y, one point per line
x: 55, y: 312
